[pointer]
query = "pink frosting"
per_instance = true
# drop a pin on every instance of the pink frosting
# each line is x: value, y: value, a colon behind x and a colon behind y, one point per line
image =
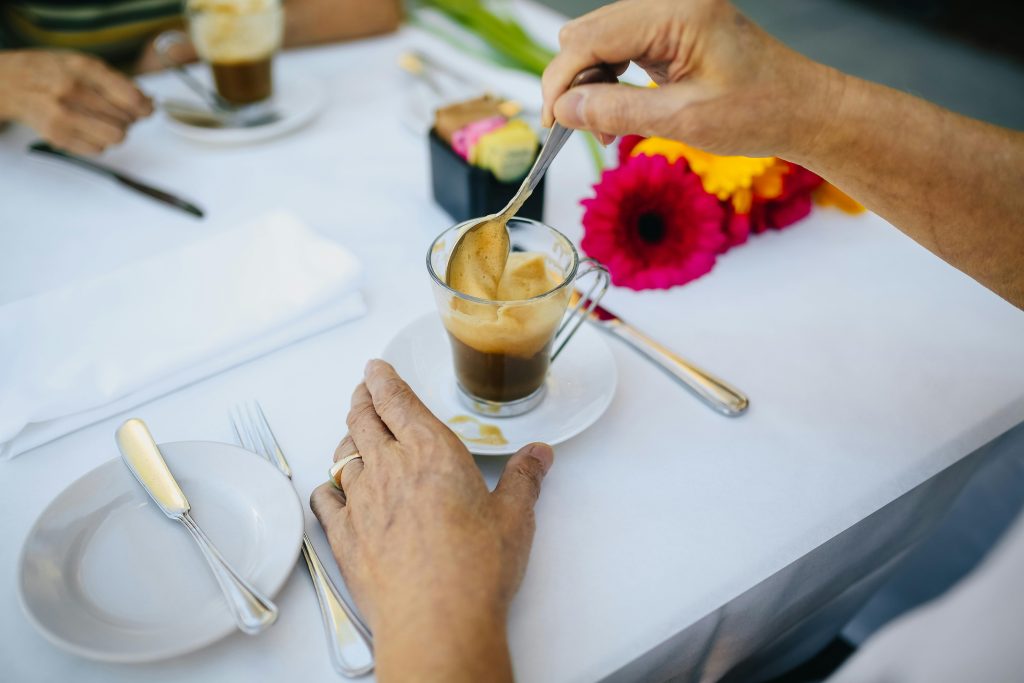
x: 465, y: 138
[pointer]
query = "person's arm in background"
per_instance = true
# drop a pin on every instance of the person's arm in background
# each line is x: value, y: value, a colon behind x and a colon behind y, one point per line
x: 953, y: 184
x: 308, y: 22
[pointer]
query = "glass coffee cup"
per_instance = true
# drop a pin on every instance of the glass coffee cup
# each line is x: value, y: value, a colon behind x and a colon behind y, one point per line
x: 238, y: 39
x: 502, y: 349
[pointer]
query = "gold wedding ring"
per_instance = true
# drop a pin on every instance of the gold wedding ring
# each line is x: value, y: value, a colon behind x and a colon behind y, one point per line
x: 337, y: 467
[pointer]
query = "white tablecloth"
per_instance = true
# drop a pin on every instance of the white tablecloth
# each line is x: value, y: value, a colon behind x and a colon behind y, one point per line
x: 669, y: 538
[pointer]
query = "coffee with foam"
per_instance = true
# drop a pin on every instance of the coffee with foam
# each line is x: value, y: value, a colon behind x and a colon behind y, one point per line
x: 502, y: 341
x: 230, y: 31
x: 238, y: 38
x: 482, y: 269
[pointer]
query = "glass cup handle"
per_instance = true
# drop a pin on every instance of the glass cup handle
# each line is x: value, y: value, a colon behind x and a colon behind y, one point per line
x: 162, y: 46
x: 586, y: 303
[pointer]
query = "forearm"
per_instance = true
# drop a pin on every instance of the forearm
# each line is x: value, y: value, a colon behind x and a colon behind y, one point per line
x: 310, y: 22
x: 469, y: 646
x: 952, y: 184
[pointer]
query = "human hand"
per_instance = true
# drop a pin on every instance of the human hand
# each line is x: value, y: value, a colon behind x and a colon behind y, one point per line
x: 73, y: 101
x: 726, y: 86
x: 424, y: 547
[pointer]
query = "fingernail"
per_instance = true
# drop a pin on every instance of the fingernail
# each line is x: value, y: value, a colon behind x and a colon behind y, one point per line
x: 543, y: 454
x: 574, y: 100
x: 366, y: 368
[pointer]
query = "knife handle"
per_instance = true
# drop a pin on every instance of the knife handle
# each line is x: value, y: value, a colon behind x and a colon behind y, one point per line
x: 251, y: 610
x: 717, y: 394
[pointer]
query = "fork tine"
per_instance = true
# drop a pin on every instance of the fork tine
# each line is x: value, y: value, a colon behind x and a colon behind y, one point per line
x: 270, y: 432
x: 272, y: 448
x: 244, y: 430
x: 258, y: 428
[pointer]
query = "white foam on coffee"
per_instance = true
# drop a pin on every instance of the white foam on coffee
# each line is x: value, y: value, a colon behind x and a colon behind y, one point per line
x: 228, y: 31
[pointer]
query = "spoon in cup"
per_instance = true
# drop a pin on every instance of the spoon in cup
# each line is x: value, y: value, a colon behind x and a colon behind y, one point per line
x: 487, y: 239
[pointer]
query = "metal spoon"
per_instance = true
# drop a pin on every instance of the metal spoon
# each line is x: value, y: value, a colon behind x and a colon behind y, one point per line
x: 498, y: 222
x: 193, y: 115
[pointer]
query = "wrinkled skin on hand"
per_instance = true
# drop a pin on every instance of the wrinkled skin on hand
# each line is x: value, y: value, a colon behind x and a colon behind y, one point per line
x: 420, y: 540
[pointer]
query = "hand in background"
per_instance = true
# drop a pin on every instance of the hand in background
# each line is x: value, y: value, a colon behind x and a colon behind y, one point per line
x: 71, y: 100
x: 726, y: 85
x: 424, y: 546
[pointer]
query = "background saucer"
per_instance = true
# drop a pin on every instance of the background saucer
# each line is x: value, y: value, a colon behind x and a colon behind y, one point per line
x: 580, y: 385
x: 298, y: 97
x: 104, y: 574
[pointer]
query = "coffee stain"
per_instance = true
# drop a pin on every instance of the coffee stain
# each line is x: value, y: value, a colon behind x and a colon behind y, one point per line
x: 472, y: 430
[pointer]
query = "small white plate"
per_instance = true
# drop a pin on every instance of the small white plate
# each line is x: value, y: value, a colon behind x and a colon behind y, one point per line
x: 104, y: 574
x: 580, y: 385
x: 297, y: 98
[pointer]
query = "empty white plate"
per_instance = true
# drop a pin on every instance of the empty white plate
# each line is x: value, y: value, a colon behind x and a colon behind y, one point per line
x: 580, y: 386
x: 104, y: 574
x: 298, y: 97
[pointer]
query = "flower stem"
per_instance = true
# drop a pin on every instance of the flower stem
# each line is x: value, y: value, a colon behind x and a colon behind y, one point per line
x: 596, y: 152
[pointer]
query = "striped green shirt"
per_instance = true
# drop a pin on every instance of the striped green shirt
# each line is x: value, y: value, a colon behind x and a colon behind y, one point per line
x: 112, y: 29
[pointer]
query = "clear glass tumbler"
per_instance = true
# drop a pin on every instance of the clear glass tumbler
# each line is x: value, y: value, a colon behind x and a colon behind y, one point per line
x: 502, y: 349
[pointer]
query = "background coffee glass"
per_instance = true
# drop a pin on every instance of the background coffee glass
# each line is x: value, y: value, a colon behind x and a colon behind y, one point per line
x: 238, y: 39
x: 502, y: 349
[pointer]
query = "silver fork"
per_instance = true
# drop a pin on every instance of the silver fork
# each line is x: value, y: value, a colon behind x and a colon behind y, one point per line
x: 343, y: 626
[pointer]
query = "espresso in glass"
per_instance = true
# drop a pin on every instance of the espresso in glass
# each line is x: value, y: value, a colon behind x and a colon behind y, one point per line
x: 238, y: 39
x: 502, y: 343
x: 243, y: 82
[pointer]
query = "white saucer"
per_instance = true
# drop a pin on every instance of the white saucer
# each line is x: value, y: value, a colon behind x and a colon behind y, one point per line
x: 104, y: 574
x: 297, y: 98
x: 580, y: 385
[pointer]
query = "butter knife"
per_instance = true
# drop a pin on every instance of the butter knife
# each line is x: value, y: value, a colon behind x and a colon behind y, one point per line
x: 717, y: 394
x: 252, y: 611
x: 127, y: 181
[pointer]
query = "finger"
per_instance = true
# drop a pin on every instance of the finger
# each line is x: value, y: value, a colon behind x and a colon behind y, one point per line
x: 345, y: 477
x: 98, y: 131
x: 398, y: 406
x: 346, y: 447
x: 520, y: 483
x: 89, y: 100
x: 117, y: 88
x: 626, y: 110
x: 75, y: 145
x: 327, y: 503
x: 369, y: 434
x: 614, y: 34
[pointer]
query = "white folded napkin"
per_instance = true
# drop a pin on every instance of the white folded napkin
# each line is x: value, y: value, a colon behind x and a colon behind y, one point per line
x: 79, y: 354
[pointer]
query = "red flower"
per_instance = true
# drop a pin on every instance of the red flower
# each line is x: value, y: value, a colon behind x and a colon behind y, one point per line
x: 789, y: 207
x: 626, y: 145
x: 652, y: 224
x: 735, y: 225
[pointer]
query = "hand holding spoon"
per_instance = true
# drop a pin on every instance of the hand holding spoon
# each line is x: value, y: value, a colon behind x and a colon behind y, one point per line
x: 478, y: 257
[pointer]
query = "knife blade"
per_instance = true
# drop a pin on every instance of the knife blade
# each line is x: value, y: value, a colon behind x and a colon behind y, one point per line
x: 143, y: 457
x: 714, y: 392
x: 159, y: 195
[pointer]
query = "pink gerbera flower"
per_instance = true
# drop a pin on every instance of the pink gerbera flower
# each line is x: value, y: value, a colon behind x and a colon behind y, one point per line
x: 626, y: 145
x: 652, y: 224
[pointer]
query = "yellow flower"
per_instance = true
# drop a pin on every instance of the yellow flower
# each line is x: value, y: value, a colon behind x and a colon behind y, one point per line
x: 828, y: 194
x: 721, y: 176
